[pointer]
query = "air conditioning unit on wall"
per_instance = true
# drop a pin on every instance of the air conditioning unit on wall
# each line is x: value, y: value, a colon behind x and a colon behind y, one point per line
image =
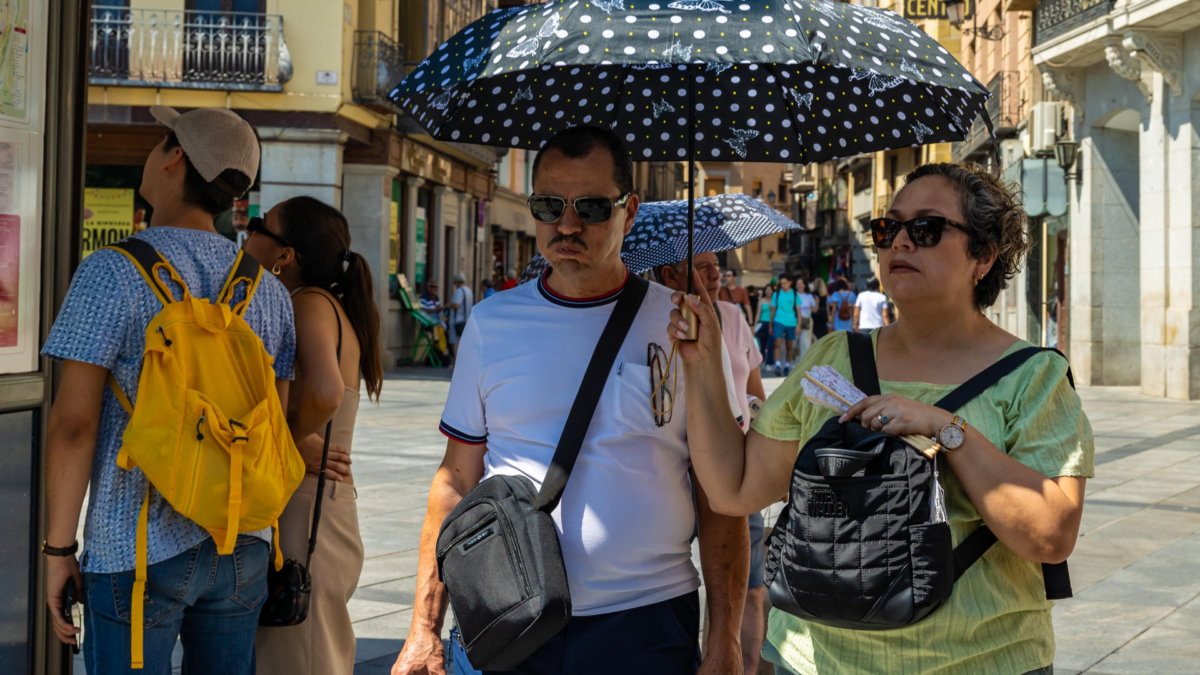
x: 1044, y: 123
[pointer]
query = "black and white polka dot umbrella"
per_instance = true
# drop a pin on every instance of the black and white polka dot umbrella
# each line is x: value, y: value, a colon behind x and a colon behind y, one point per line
x: 756, y: 80
x: 659, y: 233
x: 720, y: 80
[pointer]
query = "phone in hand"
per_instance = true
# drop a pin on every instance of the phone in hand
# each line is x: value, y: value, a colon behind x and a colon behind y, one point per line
x: 70, y: 593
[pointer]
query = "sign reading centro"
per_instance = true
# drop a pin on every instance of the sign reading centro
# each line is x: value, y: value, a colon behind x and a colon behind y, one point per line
x: 110, y: 219
x: 932, y: 9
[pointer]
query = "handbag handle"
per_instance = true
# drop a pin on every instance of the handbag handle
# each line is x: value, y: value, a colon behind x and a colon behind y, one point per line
x: 312, y: 535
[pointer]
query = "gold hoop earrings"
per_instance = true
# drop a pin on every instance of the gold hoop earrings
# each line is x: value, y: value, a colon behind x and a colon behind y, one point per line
x: 275, y: 270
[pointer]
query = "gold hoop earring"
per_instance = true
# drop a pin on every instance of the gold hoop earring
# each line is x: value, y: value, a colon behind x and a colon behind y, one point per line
x: 975, y: 280
x: 275, y: 270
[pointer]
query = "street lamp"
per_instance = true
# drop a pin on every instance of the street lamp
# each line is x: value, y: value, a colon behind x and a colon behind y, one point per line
x: 956, y: 12
x: 1066, y: 152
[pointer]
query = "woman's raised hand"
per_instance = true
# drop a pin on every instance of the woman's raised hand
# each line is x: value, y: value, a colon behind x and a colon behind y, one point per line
x: 898, y: 416
x: 708, y: 346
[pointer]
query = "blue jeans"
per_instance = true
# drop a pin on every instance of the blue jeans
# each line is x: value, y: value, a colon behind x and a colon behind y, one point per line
x: 211, y: 602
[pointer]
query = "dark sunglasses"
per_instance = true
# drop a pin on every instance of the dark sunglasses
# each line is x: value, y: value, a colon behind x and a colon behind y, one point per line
x: 925, y: 231
x: 256, y: 225
x: 591, y: 210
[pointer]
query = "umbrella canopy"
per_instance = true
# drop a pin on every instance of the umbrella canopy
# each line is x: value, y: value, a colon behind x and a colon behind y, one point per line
x: 757, y: 80
x: 659, y: 233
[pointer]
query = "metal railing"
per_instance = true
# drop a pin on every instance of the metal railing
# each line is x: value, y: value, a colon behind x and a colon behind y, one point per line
x: 1056, y: 17
x: 187, y: 49
x: 1005, y: 107
x: 378, y: 67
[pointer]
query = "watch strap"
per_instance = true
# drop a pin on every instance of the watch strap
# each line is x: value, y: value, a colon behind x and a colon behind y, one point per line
x: 47, y: 549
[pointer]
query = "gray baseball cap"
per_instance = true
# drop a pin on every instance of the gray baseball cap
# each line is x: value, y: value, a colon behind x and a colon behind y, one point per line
x: 214, y: 139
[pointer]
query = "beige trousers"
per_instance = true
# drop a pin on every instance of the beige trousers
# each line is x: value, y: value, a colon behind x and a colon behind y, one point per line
x: 324, y: 643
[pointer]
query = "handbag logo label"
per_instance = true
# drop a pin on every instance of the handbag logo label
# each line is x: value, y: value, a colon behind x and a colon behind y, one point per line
x: 471, y: 543
x: 824, y: 503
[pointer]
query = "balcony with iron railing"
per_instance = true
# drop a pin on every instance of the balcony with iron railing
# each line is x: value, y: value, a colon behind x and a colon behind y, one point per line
x: 378, y: 67
x: 188, y: 49
x: 1004, y: 107
x: 1058, y: 17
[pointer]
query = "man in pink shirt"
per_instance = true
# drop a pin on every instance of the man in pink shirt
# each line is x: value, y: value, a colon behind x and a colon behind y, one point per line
x: 745, y: 358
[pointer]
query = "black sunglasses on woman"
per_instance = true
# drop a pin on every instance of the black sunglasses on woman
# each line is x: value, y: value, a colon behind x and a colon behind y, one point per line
x: 256, y: 225
x: 925, y: 231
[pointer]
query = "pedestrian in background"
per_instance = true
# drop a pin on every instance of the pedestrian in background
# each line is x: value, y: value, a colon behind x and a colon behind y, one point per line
x: 808, y: 304
x: 511, y: 281
x: 871, y: 308
x: 744, y: 358
x: 1020, y: 464
x: 431, y: 302
x: 733, y: 293
x: 306, y: 244
x: 784, y: 318
x: 820, y: 293
x: 752, y: 291
x: 460, y: 308
x: 841, y: 306
x: 765, y: 332
x: 626, y: 517
x: 207, y: 160
x: 486, y: 290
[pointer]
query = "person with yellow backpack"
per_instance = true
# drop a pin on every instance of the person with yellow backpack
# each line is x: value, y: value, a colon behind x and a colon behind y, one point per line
x: 176, y: 354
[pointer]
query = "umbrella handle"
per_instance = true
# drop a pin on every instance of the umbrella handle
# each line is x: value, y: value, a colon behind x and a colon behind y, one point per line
x: 693, y: 329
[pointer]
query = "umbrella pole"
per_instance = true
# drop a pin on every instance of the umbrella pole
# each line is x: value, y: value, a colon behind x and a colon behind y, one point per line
x: 693, y: 330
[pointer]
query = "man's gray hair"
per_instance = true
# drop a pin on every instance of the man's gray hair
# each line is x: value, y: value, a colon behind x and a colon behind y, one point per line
x: 512, y: 273
x: 460, y: 278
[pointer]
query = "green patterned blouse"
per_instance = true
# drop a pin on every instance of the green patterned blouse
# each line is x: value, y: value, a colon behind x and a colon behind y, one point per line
x: 997, y: 622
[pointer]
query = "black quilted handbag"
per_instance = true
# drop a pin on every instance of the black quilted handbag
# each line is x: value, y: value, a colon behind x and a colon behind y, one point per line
x: 289, y: 589
x: 857, y: 545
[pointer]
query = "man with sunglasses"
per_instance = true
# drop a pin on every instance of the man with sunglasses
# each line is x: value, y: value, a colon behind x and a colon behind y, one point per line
x: 626, y: 518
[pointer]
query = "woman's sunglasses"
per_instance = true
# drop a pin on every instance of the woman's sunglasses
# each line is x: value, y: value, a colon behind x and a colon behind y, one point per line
x: 256, y: 225
x: 591, y: 210
x: 925, y: 231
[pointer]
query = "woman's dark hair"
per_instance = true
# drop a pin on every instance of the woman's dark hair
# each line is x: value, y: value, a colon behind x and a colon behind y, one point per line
x: 996, y: 222
x: 203, y: 194
x: 872, y: 284
x: 577, y: 142
x: 321, y: 237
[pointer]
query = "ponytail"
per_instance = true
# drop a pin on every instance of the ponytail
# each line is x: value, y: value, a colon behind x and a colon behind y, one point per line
x: 321, y: 237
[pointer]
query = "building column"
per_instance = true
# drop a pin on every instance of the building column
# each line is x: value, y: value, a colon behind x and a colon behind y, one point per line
x: 1182, y: 152
x: 438, y: 222
x: 1155, y: 243
x: 464, y: 241
x: 412, y: 184
x: 367, y: 189
x: 301, y: 162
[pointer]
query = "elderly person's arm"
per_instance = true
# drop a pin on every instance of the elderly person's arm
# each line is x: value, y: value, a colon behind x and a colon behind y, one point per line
x: 725, y: 563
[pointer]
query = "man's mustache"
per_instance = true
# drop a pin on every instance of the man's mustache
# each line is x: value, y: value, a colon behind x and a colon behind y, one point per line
x: 572, y: 239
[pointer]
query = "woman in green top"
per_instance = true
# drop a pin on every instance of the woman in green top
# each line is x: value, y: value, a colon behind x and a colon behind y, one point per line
x: 1020, y: 468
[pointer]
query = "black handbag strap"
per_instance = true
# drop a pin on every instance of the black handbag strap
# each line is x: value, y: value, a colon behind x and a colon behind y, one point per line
x: 594, y: 379
x: 1056, y: 577
x: 312, y: 535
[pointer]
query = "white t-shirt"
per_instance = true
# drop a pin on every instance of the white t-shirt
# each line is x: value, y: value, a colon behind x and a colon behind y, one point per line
x: 808, y: 303
x: 465, y: 299
x: 626, y: 517
x: 871, y: 305
x: 744, y: 355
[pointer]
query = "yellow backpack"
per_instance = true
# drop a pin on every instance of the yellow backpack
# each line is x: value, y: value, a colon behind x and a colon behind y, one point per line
x: 207, y: 430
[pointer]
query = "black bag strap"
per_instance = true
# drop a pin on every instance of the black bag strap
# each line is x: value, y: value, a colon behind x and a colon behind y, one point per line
x: 580, y: 417
x: 312, y: 535
x: 245, y: 269
x: 1056, y: 577
x: 145, y: 258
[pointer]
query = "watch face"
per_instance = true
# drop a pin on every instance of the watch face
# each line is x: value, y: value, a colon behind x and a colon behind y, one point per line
x: 951, y: 437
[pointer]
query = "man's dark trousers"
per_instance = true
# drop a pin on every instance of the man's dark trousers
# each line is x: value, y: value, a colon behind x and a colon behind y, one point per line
x: 662, y: 639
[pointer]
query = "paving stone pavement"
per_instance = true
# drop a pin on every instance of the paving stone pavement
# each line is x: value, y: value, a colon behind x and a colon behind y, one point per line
x: 1136, y: 608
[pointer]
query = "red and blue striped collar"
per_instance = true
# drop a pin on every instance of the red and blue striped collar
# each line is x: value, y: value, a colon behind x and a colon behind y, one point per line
x: 578, y: 303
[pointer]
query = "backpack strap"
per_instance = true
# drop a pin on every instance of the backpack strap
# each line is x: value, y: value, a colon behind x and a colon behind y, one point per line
x: 862, y: 362
x: 146, y: 260
x: 1056, y: 577
x: 245, y: 269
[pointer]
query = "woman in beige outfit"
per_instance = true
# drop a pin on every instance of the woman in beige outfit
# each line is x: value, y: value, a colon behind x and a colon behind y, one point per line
x: 306, y: 243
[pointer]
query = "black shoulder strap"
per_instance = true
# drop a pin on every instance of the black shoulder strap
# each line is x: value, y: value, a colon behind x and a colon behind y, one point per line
x: 312, y: 535
x: 245, y: 268
x: 580, y: 417
x: 862, y: 362
x: 1056, y: 577
x: 144, y: 257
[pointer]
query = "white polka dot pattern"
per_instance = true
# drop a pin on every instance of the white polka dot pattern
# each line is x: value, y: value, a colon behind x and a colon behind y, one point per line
x: 770, y: 80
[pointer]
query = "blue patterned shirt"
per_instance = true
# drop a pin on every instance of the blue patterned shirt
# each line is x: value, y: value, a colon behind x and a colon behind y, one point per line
x: 103, y: 322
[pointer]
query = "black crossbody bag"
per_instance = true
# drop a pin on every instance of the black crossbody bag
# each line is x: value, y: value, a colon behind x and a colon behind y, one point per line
x: 498, y: 552
x: 289, y: 589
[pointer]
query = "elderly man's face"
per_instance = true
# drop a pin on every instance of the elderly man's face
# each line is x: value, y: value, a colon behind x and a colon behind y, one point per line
x: 575, y: 248
x: 707, y: 268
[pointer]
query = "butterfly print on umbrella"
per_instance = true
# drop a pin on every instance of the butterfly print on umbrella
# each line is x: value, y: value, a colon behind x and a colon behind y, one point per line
x: 717, y: 68
x: 677, y: 52
x: 528, y: 46
x: 877, y: 82
x: 738, y: 142
x: 907, y: 67
x: 805, y: 100
x: 609, y: 6
x: 921, y: 132
x: 523, y: 94
x: 699, y: 5
x: 662, y: 107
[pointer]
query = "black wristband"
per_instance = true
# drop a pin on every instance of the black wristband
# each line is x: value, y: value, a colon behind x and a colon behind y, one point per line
x: 47, y: 549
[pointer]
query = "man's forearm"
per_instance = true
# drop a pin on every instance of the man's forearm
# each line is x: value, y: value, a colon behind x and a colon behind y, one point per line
x: 429, y: 606
x: 725, y: 562
x: 68, y: 470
